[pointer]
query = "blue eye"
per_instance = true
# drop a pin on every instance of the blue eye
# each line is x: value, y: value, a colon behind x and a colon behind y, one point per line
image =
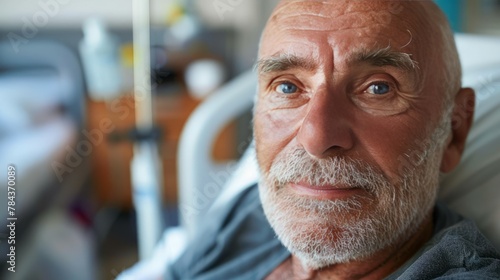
x: 379, y: 88
x: 286, y: 88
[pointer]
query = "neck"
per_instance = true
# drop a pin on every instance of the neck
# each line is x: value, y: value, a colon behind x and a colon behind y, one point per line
x: 378, y: 266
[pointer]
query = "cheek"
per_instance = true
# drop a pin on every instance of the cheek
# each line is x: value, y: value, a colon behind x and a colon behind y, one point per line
x: 274, y: 130
x: 395, y: 145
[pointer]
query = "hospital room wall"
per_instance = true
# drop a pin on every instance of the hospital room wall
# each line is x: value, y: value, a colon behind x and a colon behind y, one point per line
x: 65, y: 17
x: 472, y: 16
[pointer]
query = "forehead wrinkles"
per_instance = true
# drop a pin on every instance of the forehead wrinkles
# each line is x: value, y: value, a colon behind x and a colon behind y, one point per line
x: 330, y: 16
x: 316, y: 8
x: 311, y: 49
x: 370, y: 37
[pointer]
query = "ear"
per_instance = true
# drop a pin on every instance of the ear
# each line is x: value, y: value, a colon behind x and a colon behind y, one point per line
x: 462, y: 117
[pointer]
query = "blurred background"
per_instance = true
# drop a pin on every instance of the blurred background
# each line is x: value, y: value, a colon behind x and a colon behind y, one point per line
x: 67, y: 116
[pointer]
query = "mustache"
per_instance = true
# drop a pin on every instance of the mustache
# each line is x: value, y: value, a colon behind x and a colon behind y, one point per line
x: 298, y: 166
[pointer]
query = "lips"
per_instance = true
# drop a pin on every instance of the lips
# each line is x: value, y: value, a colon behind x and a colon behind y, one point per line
x: 325, y: 191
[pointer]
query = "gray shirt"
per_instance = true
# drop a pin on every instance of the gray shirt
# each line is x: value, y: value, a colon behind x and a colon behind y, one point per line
x: 237, y: 242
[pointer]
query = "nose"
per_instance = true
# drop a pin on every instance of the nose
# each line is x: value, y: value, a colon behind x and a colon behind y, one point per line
x: 327, y: 127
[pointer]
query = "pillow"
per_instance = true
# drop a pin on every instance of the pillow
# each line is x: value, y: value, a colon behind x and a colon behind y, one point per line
x: 473, y: 188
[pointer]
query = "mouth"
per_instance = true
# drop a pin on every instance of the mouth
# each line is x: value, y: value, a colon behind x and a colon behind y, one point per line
x: 327, y: 192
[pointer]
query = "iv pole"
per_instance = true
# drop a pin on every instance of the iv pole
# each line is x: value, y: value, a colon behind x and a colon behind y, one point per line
x: 145, y: 165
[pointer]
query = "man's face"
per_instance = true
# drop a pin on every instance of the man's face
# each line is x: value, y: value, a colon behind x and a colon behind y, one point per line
x: 348, y: 127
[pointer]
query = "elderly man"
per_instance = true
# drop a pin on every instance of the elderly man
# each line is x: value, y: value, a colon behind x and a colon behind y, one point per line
x: 360, y: 107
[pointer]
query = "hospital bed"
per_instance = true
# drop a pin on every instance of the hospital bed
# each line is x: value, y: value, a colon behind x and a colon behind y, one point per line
x: 42, y: 91
x: 473, y: 189
x: 41, y: 114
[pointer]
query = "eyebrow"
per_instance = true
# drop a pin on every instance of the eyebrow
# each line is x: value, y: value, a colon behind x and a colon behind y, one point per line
x: 384, y: 57
x: 283, y: 62
x: 377, y: 57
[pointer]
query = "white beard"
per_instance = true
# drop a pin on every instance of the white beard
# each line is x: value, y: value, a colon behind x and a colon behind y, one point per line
x: 321, y: 233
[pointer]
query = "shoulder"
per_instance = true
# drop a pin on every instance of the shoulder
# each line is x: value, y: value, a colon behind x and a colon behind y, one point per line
x: 234, y: 241
x: 463, y: 250
x: 457, y: 251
